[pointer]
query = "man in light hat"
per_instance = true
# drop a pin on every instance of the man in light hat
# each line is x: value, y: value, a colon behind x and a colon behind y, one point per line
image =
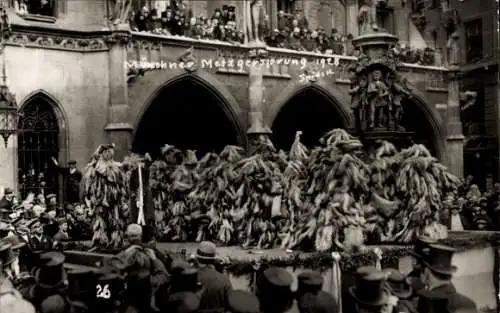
x: 72, y: 179
x: 440, y: 295
x: 216, y: 285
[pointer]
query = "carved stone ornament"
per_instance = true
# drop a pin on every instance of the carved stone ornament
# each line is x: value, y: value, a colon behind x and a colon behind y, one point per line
x: 377, y: 93
x: 56, y: 42
x: 118, y: 38
x: 189, y: 60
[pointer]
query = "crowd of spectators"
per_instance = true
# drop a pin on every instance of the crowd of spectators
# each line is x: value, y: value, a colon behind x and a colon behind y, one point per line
x: 292, y: 32
x: 179, y: 20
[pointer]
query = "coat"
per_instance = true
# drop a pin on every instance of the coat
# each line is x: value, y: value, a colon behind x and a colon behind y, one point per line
x: 5, y: 204
x: 216, y: 287
x: 444, y: 299
x: 71, y: 184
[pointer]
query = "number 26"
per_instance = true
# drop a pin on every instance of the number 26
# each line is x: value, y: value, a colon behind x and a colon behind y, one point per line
x: 103, y: 292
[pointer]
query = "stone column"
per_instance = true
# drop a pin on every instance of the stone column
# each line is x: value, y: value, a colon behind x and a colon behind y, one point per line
x: 118, y: 128
x: 8, y: 164
x: 351, y: 17
x: 257, y: 130
x: 454, y: 132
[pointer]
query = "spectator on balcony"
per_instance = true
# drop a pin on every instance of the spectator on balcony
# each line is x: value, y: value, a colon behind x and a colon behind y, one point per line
x: 216, y: 32
x: 185, y: 10
x: 217, y: 15
x: 225, y: 14
x: 283, y: 21
x: 154, y: 22
x: 21, y: 7
x: 294, y: 40
x: 336, y: 42
x: 301, y: 20
x: 141, y: 20
x: 272, y: 40
x: 309, y: 43
x: 231, y: 14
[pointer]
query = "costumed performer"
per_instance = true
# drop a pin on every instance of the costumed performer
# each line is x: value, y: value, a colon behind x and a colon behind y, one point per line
x: 106, y: 195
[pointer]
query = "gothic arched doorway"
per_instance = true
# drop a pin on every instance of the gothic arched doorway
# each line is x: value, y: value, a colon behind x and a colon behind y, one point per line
x: 311, y: 110
x: 188, y: 113
x: 38, y: 142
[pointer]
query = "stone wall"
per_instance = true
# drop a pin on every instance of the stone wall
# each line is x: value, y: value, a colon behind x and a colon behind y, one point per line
x: 77, y: 81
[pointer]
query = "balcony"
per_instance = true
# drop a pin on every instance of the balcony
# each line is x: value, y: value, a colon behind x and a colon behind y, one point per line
x: 285, y: 64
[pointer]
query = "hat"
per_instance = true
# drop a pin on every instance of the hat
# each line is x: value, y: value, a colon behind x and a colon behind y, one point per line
x: 72, y: 162
x: 232, y: 8
x: 8, y: 191
x: 398, y: 284
x: 109, y: 285
x: 439, y: 259
x: 134, y: 230
x: 54, y: 304
x: 321, y: 302
x: 178, y: 266
x: 276, y: 277
x: 241, y: 301
x: 369, y: 287
x: 50, y: 196
x: 310, y: 281
x: 206, y: 251
x: 183, y: 302
x: 80, y: 282
x: 225, y: 7
x: 190, y: 158
x: 51, y: 273
x: 421, y: 248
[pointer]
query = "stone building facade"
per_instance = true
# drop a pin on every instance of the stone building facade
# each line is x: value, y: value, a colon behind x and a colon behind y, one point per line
x: 71, y: 78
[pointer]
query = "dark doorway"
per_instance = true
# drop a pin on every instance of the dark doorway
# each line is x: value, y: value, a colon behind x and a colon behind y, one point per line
x: 311, y: 111
x: 189, y: 115
x: 415, y: 120
x: 38, y: 141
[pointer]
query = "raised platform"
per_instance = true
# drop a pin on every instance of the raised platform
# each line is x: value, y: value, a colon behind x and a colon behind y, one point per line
x: 476, y: 259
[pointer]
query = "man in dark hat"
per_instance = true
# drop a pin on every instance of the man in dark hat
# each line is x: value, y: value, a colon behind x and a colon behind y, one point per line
x: 440, y: 295
x: 216, y: 285
x: 231, y: 13
x: 369, y: 292
x: 50, y: 278
x: 242, y: 301
x: 309, y: 282
x: 225, y: 14
x: 81, y: 284
x: 72, y: 179
x: 274, y: 290
x: 7, y: 201
x: 399, y: 286
x: 420, y: 251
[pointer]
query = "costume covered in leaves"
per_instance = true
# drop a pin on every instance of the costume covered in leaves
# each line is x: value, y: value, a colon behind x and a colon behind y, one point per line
x: 106, y: 194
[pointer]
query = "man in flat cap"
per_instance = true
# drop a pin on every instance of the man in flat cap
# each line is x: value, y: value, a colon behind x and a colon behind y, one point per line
x: 440, y: 295
x: 72, y: 179
x: 7, y: 201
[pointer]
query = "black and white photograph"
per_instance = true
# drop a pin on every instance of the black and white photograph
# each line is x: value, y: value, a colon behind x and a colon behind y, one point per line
x: 249, y: 156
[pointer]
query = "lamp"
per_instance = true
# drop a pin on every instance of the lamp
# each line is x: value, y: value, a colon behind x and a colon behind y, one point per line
x: 8, y: 106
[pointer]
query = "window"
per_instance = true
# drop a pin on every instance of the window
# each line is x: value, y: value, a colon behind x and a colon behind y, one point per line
x: 473, y: 116
x: 474, y: 40
x: 385, y: 19
x: 38, y: 10
x: 285, y: 6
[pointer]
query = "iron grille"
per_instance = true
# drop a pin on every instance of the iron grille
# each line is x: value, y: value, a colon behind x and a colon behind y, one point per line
x: 38, y: 141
